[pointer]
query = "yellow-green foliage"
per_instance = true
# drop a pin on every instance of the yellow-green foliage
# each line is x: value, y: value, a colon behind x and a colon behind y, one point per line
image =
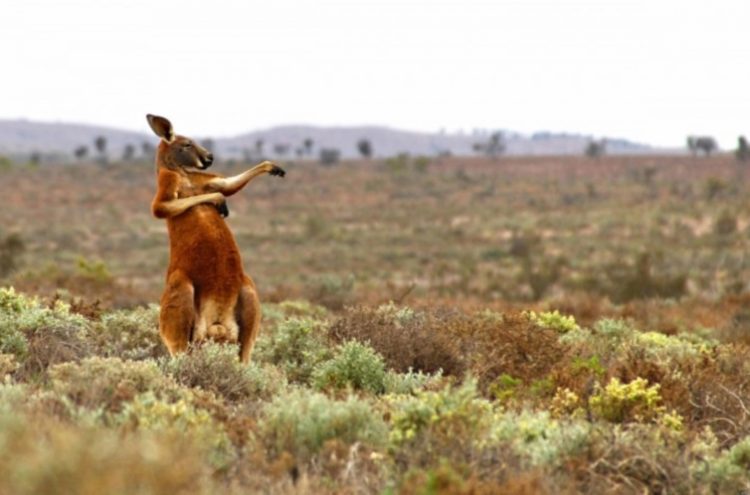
x: 354, y: 365
x: 665, y: 348
x: 179, y: 418
x: 456, y: 412
x: 300, y: 422
x: 130, y: 334
x: 8, y: 365
x: 554, y: 320
x: 23, y: 319
x: 538, y: 438
x: 108, y: 383
x: 635, y: 401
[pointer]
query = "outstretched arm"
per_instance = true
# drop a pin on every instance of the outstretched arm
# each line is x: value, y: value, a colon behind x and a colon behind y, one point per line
x: 230, y: 185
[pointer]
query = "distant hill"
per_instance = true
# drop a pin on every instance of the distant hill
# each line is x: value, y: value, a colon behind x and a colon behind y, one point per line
x: 22, y: 137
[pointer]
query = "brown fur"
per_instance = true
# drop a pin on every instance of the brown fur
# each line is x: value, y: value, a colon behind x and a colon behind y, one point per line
x: 207, y: 294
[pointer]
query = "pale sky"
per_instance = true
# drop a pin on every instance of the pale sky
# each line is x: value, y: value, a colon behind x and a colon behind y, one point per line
x: 651, y: 71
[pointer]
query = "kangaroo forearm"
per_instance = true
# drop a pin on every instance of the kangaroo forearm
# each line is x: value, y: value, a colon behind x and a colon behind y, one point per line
x: 230, y: 185
x: 174, y: 207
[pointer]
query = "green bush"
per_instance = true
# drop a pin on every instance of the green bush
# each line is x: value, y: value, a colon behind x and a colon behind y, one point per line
x: 296, y: 345
x: 444, y: 415
x: 353, y: 365
x: 554, y: 320
x: 301, y: 422
x: 537, y: 438
x: 106, y: 384
x: 618, y: 402
x: 41, y: 336
x: 180, y: 417
x: 216, y: 368
x: 132, y: 334
x: 411, y: 382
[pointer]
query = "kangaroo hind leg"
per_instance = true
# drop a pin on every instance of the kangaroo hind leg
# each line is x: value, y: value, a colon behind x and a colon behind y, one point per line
x: 248, y: 318
x: 177, y: 315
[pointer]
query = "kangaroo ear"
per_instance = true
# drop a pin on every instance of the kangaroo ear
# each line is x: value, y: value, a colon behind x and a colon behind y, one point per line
x: 161, y: 127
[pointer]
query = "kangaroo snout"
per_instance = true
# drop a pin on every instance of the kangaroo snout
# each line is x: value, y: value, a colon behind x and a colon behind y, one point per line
x: 208, y: 160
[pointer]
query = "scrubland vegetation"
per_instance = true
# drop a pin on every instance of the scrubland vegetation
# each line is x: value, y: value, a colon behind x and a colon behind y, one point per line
x: 546, y: 325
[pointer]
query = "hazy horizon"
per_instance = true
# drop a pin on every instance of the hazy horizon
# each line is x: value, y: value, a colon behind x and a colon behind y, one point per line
x: 649, y: 72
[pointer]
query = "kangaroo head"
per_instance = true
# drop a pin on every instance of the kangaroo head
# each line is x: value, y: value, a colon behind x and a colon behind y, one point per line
x: 175, y: 151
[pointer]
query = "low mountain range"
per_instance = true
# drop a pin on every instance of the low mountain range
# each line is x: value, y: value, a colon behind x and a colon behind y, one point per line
x: 19, y: 138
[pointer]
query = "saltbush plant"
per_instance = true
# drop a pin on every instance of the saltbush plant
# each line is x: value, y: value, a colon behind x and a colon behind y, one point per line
x: 41, y: 336
x: 554, y: 320
x: 296, y: 345
x: 131, y: 334
x: 148, y: 412
x: 619, y: 402
x: 354, y: 365
x: 445, y: 415
x: 300, y: 422
x: 107, y: 384
x: 216, y: 368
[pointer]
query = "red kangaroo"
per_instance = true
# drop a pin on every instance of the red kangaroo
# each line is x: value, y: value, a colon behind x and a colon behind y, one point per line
x: 207, y: 294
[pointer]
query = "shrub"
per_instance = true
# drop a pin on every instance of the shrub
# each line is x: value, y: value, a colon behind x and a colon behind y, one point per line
x: 108, y: 383
x: 406, y: 340
x: 444, y: 416
x: 554, y: 320
x: 410, y: 382
x: 728, y: 471
x: 537, y: 438
x: 216, y: 368
x: 130, y: 334
x: 296, y: 346
x: 181, y: 417
x: 635, y: 401
x: 300, y: 422
x: 332, y: 291
x: 354, y: 365
x: 41, y: 336
x: 8, y: 365
x: 49, y: 457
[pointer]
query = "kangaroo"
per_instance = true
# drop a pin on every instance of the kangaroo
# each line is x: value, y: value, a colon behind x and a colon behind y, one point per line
x: 207, y: 293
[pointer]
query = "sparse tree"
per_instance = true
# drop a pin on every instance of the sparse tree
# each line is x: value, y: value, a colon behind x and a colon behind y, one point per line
x: 365, y: 148
x: 147, y: 149
x: 494, y: 147
x: 595, y: 149
x: 259, y: 148
x: 308, y: 145
x: 743, y: 149
x: 706, y: 144
x: 81, y: 152
x: 100, y: 143
x: 329, y: 156
x: 281, y: 149
x: 35, y: 158
x: 128, y: 152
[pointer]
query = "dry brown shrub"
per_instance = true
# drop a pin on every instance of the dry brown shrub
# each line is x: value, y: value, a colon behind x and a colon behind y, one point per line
x: 419, y: 343
x: 720, y: 395
x: 50, y: 346
x: 514, y: 346
x: 456, y: 343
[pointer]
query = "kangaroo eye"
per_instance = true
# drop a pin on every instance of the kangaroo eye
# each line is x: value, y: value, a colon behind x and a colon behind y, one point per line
x: 188, y: 146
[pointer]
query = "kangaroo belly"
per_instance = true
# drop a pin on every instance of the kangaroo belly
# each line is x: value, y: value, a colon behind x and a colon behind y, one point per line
x: 202, y: 247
